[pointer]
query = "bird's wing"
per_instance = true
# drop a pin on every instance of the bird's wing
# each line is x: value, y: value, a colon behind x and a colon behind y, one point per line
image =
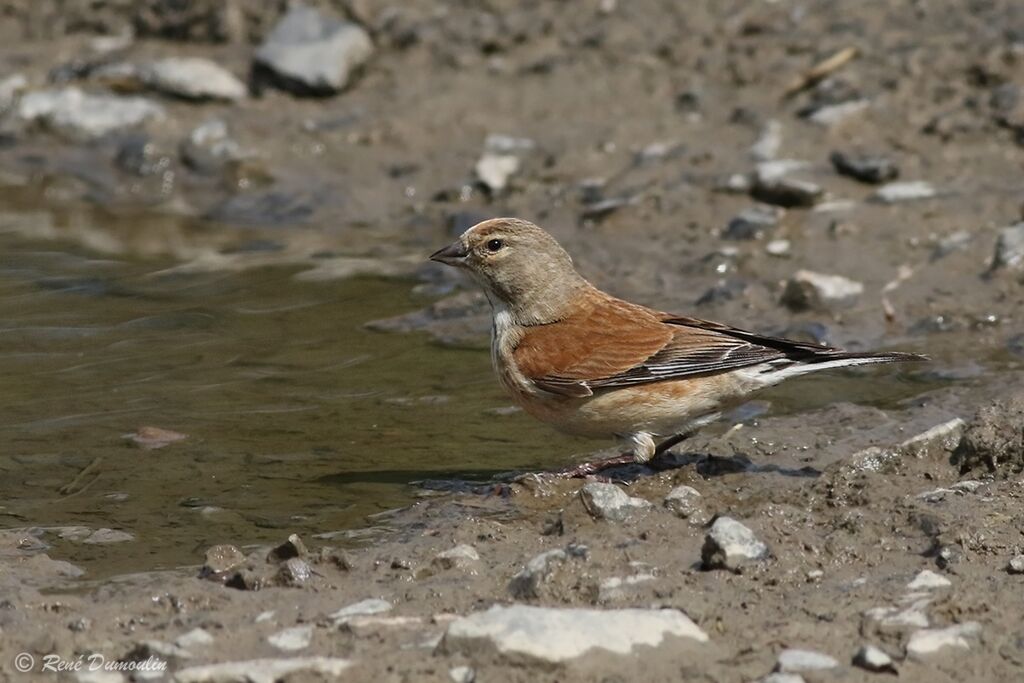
x: 615, y: 344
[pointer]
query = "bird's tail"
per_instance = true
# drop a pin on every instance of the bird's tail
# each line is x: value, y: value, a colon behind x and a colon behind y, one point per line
x: 831, y: 360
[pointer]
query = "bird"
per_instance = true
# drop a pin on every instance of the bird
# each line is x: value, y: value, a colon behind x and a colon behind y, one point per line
x: 594, y: 365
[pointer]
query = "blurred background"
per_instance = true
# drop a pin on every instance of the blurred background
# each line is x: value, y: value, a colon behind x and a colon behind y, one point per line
x: 216, y: 321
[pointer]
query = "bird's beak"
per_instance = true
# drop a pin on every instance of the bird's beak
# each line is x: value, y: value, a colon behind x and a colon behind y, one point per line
x: 453, y: 255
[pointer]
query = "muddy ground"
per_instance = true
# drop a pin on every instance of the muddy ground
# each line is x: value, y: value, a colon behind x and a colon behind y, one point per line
x: 641, y: 115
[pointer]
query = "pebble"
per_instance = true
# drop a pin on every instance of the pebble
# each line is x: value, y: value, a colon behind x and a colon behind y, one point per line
x: 787, y: 192
x: 809, y: 290
x: 911, y: 616
x: 262, y: 670
x: 85, y: 116
x: 1010, y: 247
x: 905, y: 192
x: 293, y: 547
x: 221, y: 559
x: 928, y: 580
x: 929, y: 641
x: 608, y: 501
x: 832, y: 115
x: 795, y: 660
x: 783, y: 678
x: 778, y: 248
x: 459, y: 557
x: 768, y: 142
x: 683, y: 501
x: 462, y: 674
x: 105, y: 536
x: 867, y: 169
x: 730, y: 545
x: 616, y: 588
x: 193, y: 78
x: 871, y: 658
x: 359, y: 609
x: 552, y: 635
x: 955, y: 241
x: 527, y: 582
x: 292, y: 639
x: 753, y: 223
x: 501, y: 159
x: 197, y: 637
x: 1016, y: 564
x: 209, y: 147
x: 10, y: 88
x: 311, y: 53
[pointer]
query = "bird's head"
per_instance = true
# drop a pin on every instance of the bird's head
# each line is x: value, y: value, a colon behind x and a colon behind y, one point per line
x: 520, y: 266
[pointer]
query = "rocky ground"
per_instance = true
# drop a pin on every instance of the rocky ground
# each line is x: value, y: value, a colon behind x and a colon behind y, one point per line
x: 849, y: 174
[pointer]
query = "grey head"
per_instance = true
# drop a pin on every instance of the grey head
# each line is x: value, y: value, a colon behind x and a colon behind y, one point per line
x: 520, y: 266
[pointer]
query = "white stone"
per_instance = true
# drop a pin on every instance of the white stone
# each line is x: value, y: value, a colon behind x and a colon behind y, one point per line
x: 683, y: 500
x: 795, y: 660
x: 75, y: 113
x: 768, y: 142
x: 807, y: 289
x: 193, y: 78
x: 1010, y: 247
x: 197, y: 637
x: 834, y: 114
x: 777, y: 248
x: 494, y: 170
x: 913, y: 616
x: 459, y: 557
x: 462, y: 674
x: 359, y: 609
x: 767, y: 171
x: 557, y: 635
x: 783, y: 678
x: 261, y: 670
x: 292, y: 639
x: 927, y: 580
x: 615, y: 587
x: 730, y: 545
x: 608, y: 501
x: 871, y: 658
x: 905, y: 191
x: 1016, y: 564
x: 930, y: 641
x: 264, y: 616
x: 967, y: 485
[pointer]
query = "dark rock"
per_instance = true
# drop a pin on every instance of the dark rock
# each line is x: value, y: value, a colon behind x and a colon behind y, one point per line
x: 293, y: 547
x: 724, y: 290
x: 774, y: 185
x: 246, y: 580
x: 139, y: 155
x: 1016, y: 345
x: 994, y: 437
x: 272, y: 207
x: 311, y: 53
x: 753, y: 223
x: 867, y: 169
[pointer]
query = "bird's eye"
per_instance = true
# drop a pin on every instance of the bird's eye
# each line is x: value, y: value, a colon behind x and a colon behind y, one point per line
x: 494, y: 245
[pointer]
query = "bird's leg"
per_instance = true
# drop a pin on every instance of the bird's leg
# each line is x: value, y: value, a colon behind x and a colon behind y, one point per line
x: 673, y: 441
x: 590, y: 467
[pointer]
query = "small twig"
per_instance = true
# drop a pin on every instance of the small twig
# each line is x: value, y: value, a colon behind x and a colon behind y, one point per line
x: 820, y: 70
x: 72, y: 487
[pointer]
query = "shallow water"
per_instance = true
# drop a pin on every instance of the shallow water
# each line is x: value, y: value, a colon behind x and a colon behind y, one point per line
x: 298, y: 419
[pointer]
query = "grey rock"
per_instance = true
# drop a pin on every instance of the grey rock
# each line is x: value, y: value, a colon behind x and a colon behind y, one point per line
x: 311, y: 53
x: 459, y: 557
x: 924, y: 643
x: 867, y: 169
x: 294, y: 572
x: 871, y: 658
x: 360, y: 609
x: 795, y: 660
x: 85, y: 116
x: 1016, y: 564
x: 292, y: 639
x: 105, y: 536
x: 608, y: 501
x: 193, y: 78
x: 955, y: 241
x: 10, y: 88
x: 262, y: 670
x: 683, y: 501
x: 526, y: 584
x: 809, y: 290
x: 753, y: 223
x: 553, y: 636
x: 730, y: 545
x: 905, y: 192
x: 1010, y: 248
x: 209, y: 147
